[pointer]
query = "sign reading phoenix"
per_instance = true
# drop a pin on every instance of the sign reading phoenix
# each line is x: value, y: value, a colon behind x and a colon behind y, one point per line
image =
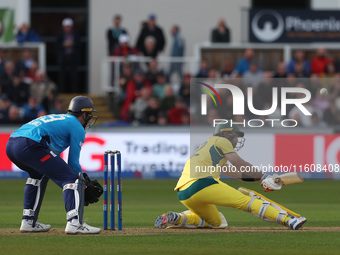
x: 291, y: 25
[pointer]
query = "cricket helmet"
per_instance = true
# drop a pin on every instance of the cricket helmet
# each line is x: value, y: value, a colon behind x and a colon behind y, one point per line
x: 80, y: 104
x: 230, y: 130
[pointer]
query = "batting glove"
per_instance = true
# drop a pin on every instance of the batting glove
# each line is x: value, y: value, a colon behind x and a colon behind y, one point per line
x: 269, y: 184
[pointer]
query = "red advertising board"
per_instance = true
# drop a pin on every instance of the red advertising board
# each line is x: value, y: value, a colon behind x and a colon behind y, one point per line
x: 308, y: 153
x: 5, y: 163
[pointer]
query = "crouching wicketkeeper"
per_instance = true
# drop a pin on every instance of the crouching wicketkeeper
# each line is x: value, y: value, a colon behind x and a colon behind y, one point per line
x: 35, y: 148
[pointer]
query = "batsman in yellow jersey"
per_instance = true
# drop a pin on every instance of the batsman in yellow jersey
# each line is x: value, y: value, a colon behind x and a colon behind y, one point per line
x: 199, y: 188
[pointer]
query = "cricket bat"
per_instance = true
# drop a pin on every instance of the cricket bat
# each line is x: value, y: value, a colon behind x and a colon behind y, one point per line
x: 289, y: 178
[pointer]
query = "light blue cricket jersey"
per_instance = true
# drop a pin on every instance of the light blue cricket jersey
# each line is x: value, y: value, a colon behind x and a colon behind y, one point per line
x: 64, y: 130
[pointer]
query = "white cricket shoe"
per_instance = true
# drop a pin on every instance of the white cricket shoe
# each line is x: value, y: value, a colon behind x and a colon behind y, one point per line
x: 75, y: 228
x: 26, y: 226
x: 296, y: 223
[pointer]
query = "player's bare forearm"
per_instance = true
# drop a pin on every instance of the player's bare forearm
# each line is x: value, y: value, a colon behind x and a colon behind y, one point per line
x: 242, y: 169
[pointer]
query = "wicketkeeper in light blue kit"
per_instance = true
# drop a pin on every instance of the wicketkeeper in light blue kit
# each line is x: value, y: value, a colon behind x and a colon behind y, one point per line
x: 35, y: 148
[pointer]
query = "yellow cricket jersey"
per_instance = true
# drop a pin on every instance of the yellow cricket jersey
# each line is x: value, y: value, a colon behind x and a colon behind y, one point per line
x: 204, y: 161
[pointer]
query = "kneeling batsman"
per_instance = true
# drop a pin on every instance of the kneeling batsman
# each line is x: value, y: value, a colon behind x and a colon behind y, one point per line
x: 201, y: 191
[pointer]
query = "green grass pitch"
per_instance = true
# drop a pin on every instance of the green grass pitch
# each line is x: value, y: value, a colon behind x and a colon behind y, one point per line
x: 144, y: 200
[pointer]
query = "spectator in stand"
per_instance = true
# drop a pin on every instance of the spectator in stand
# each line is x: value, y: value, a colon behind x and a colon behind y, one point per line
x: 125, y: 76
x: 137, y: 109
x: 184, y: 91
x: 23, y: 65
x: 334, y: 91
x: 18, y: 91
x: 280, y: 70
x: 33, y: 110
x: 314, y: 85
x: 159, y: 86
x: 3, y: 60
x: 317, y: 121
x: 332, y: 115
x: 320, y: 61
x: 185, y: 118
x: 212, y: 115
x: 243, y: 64
x: 299, y: 71
x: 5, y: 104
x: 153, y: 71
x: 7, y: 79
x: 221, y: 34
x: 133, y: 89
x: 124, y: 49
x: 27, y: 34
x: 264, y: 92
x: 329, y: 71
x: 177, y: 50
x: 113, y: 34
x: 227, y: 110
x: 150, y: 49
x: 327, y: 77
x: 228, y: 71
x: 213, y: 74
x: 168, y: 101
x: 43, y: 90
x: 68, y: 54
x: 296, y: 114
x: 151, y: 29
x: 175, y: 113
x: 30, y: 76
x: 204, y: 69
x: 299, y: 57
x: 14, y: 116
x: 337, y: 65
x: 162, y: 119
x: 152, y: 111
x: 58, y: 107
x: 253, y: 77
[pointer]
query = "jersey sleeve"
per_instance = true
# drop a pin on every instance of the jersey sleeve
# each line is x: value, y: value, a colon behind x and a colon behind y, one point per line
x: 76, y: 141
x: 224, y: 146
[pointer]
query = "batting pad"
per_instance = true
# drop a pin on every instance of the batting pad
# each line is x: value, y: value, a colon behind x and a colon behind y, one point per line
x: 250, y: 193
x: 223, y: 225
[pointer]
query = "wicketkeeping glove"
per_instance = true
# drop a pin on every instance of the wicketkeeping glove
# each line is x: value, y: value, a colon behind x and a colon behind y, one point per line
x: 93, y: 191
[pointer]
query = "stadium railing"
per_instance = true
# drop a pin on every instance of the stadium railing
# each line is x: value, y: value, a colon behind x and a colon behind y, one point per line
x: 110, y: 69
x: 14, y: 49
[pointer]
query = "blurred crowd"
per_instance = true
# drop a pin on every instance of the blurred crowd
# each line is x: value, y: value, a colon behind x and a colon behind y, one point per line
x: 25, y: 90
x: 149, y: 96
x: 320, y: 72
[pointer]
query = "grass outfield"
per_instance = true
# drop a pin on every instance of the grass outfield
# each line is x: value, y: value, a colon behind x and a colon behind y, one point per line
x: 144, y: 200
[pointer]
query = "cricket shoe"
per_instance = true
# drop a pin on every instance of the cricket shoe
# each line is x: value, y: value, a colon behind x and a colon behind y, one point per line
x: 27, y: 226
x: 168, y: 219
x: 296, y: 223
x: 160, y: 221
x: 172, y: 218
x: 78, y: 228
